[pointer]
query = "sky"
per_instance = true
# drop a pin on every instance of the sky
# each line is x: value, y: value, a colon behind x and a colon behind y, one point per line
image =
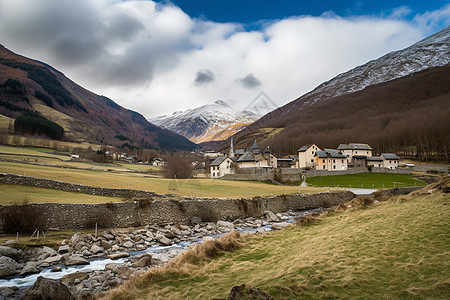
x: 157, y: 57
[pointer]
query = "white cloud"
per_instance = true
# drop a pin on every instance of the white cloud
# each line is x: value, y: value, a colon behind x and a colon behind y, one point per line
x: 146, y: 56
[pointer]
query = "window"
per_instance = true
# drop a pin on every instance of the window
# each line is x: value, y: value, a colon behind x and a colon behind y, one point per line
x: 324, y: 167
x: 334, y: 167
x: 342, y: 161
x: 324, y: 161
x: 356, y: 152
x: 312, y: 159
x: 334, y: 161
x: 312, y: 152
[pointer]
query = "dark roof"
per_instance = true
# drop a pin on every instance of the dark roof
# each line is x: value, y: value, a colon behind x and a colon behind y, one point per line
x: 391, y: 156
x: 246, y: 157
x: 374, y: 158
x: 354, y: 146
x: 304, y: 148
x: 239, y: 151
x: 359, y: 156
x: 218, y: 160
x: 332, y: 153
x: 255, y: 146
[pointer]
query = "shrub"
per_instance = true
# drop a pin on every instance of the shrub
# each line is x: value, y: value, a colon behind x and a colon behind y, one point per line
x: 178, y: 167
x: 23, y: 217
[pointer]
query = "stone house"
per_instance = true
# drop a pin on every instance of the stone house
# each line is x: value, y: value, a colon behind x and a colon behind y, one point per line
x: 355, y: 149
x: 330, y: 160
x: 390, y: 161
x: 374, y: 162
x: 256, y: 157
x: 306, y: 156
x: 221, y: 166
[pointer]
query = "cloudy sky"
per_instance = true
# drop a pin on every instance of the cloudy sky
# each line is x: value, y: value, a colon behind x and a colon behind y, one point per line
x: 157, y: 57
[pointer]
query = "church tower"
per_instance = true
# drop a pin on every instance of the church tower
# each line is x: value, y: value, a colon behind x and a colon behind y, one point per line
x: 231, y: 148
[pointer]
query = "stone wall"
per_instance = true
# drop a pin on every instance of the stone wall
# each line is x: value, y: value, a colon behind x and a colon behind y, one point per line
x: 389, y: 171
x: 315, y: 173
x: 143, y: 212
x: 71, y: 187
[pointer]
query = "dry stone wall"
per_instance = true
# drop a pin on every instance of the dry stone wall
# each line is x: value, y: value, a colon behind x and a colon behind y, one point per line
x: 145, y: 212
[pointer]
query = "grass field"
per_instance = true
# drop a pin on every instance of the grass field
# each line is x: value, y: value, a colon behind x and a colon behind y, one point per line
x: 17, y: 193
x: 392, y: 250
x: 365, y: 180
x: 197, y: 187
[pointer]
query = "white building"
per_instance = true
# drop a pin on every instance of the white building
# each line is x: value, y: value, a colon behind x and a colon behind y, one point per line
x: 355, y: 149
x: 306, y: 156
x: 221, y: 166
x: 390, y: 161
x: 331, y: 160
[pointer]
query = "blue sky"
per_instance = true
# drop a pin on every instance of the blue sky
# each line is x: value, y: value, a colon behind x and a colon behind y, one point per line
x: 159, y: 57
x: 253, y: 11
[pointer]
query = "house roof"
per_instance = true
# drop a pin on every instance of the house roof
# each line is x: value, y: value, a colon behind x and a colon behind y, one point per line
x: 390, y: 156
x: 359, y: 156
x: 354, y: 146
x: 218, y: 160
x: 284, y: 159
x: 304, y: 148
x: 330, y: 153
x: 374, y: 158
x: 239, y: 151
x: 247, y: 156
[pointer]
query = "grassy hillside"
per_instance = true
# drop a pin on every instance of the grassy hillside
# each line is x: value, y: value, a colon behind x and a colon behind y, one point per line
x: 397, y: 249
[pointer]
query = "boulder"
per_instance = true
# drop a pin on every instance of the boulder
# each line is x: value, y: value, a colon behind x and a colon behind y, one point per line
x: 64, y: 249
x: 128, y: 244
x: 48, y: 250
x: 243, y: 292
x: 8, y: 266
x: 53, y: 259
x: 144, y: 261
x: 76, y: 260
x: 279, y: 226
x: 96, y: 249
x: 271, y: 216
x: 225, y: 224
x: 45, y: 288
x: 10, y: 252
x: 70, y: 278
x: 105, y: 245
x: 7, y: 292
x: 163, y: 240
x: 30, y: 268
x: 108, y: 236
x: 118, y: 255
x: 120, y: 269
x: 56, y: 269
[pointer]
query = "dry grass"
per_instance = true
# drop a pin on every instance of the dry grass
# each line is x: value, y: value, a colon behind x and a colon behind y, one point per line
x: 396, y: 249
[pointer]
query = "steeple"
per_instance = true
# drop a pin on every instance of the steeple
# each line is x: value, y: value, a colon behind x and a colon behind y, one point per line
x: 255, y: 146
x: 231, y: 148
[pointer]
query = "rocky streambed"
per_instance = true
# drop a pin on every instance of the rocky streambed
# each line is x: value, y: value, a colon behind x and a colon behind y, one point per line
x: 90, y: 264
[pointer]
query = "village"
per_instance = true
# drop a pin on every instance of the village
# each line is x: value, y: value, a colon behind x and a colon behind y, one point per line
x: 347, y: 158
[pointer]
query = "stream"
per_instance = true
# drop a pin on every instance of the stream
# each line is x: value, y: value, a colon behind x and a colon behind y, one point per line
x: 100, y: 263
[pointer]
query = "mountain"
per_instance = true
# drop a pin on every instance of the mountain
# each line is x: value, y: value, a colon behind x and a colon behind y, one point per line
x: 393, y: 102
x: 210, y: 122
x: 28, y: 86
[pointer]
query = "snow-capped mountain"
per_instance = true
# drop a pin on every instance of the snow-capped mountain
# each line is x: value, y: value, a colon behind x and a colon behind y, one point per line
x: 432, y: 51
x: 209, y: 122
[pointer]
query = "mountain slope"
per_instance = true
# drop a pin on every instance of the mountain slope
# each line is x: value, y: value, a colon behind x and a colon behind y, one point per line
x: 208, y: 122
x: 382, y: 111
x: 28, y: 85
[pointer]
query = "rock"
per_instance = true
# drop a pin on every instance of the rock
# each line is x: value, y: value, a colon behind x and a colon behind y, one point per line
x: 225, y: 224
x: 144, y: 261
x: 196, y: 220
x: 163, y: 240
x: 48, y: 250
x: 9, y: 252
x: 8, y: 266
x: 96, y: 249
x: 260, y: 231
x: 75, y: 260
x: 279, y: 226
x: 243, y: 292
x: 6, y: 292
x: 128, y: 244
x: 119, y: 269
x: 56, y: 269
x: 9, y: 242
x: 64, y: 249
x: 30, y: 268
x: 86, y: 253
x: 115, y: 248
x: 45, y: 288
x: 108, y: 236
x: 163, y: 257
x: 271, y: 216
x: 118, y: 255
x: 53, y: 259
x: 105, y: 245
x: 70, y: 278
